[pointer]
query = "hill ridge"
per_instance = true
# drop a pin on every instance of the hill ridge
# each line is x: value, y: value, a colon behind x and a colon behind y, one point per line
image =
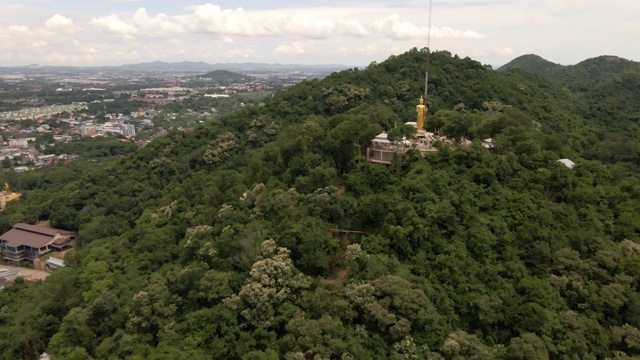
x: 595, y: 68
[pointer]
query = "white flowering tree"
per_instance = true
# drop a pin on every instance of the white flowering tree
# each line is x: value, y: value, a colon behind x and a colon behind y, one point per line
x: 273, y: 280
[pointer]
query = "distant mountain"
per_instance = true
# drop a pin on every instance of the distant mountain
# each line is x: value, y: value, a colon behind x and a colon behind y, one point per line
x: 165, y: 66
x: 594, y: 69
x: 224, y: 75
x: 203, y: 66
x: 186, y: 66
x: 606, y: 89
x: 533, y: 63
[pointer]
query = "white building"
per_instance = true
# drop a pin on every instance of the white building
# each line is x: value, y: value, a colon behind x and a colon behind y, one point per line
x: 568, y: 163
x: 19, y: 143
x: 54, y: 263
x: 128, y: 130
x: 87, y: 129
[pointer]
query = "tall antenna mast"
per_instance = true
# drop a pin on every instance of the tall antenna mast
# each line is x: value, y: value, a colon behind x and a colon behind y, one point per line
x: 426, y: 74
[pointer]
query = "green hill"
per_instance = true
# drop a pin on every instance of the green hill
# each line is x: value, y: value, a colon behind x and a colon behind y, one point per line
x: 599, y: 68
x: 603, y: 91
x: 268, y: 235
x: 595, y: 69
x: 533, y: 63
x: 224, y: 75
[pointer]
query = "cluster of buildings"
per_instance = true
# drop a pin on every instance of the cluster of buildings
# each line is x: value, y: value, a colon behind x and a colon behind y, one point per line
x: 90, y: 128
x: 22, y: 150
x: 383, y: 150
x: 254, y: 88
x: 21, y: 145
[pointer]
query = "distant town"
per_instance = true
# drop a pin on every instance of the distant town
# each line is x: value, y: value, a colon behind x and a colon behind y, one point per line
x: 42, y: 107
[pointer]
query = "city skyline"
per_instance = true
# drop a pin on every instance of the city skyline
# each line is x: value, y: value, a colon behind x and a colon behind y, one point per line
x: 115, y: 32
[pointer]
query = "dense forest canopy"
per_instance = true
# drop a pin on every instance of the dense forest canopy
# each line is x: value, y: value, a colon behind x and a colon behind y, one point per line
x: 94, y: 147
x: 268, y: 235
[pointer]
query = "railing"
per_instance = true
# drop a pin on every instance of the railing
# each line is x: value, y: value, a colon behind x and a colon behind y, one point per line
x: 7, y: 251
x: 381, y: 156
x: 11, y: 257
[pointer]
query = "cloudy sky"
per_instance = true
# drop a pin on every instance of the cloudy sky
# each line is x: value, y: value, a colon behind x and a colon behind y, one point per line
x: 350, y: 32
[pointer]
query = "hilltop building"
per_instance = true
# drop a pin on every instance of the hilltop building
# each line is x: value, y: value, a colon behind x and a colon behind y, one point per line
x: 383, y: 150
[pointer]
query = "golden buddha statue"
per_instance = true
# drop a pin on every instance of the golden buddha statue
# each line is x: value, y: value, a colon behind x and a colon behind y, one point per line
x: 421, y: 109
x: 7, y: 189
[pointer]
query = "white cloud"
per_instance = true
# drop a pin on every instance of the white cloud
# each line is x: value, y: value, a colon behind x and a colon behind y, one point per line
x: 229, y: 22
x: 239, y: 53
x: 58, y: 21
x: 352, y: 28
x: 367, y: 50
x: 562, y: 31
x: 161, y: 24
x: 449, y: 33
x: 19, y: 28
x: 113, y: 25
x: 213, y: 19
x: 396, y: 29
x: 296, y: 47
x: 493, y: 51
x: 404, y: 30
x: 39, y: 44
x: 308, y: 27
x: 507, y: 51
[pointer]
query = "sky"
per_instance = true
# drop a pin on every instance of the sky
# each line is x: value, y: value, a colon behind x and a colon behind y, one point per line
x: 347, y: 32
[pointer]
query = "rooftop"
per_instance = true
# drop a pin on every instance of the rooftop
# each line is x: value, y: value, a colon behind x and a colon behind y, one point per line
x: 31, y: 235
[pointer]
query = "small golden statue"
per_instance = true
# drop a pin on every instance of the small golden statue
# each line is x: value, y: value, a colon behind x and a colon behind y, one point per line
x: 7, y: 189
x: 421, y: 109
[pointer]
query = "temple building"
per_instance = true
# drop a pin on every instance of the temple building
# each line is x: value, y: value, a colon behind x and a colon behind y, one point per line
x: 383, y: 150
x: 7, y: 195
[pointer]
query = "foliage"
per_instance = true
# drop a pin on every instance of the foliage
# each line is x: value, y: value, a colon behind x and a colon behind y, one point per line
x: 94, y: 147
x: 267, y: 234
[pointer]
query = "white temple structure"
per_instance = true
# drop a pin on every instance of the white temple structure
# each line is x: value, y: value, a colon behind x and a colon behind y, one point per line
x: 383, y: 151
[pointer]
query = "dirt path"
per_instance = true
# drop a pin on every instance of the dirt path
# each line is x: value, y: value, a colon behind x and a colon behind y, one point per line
x: 26, y: 273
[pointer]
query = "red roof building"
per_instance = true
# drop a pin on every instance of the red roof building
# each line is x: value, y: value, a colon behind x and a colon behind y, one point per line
x: 28, y: 242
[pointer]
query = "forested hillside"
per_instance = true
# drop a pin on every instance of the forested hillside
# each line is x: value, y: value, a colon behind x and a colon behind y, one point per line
x: 607, y: 87
x: 267, y: 235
